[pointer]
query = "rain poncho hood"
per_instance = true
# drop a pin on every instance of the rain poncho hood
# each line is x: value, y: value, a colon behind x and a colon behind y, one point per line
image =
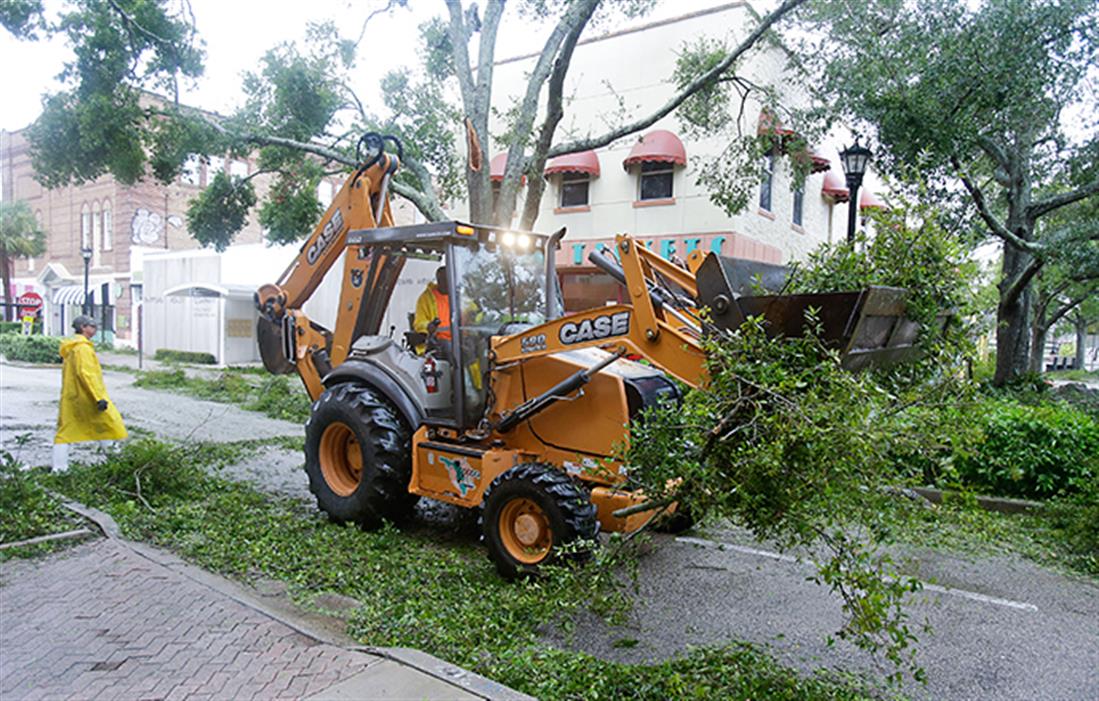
x: 78, y: 418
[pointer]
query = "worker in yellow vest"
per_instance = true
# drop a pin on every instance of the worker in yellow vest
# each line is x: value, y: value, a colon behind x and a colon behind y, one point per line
x: 434, y: 305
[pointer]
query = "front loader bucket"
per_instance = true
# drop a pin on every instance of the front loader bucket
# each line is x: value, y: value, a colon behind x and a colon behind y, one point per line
x: 869, y: 327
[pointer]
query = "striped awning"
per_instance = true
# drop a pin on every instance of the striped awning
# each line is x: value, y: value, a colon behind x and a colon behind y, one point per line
x: 72, y: 294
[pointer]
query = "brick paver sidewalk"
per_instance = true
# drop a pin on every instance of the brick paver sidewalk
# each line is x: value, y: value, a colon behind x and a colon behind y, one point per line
x: 101, y: 621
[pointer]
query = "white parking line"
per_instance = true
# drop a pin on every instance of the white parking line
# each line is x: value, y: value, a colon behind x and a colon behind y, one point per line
x: 739, y: 548
x: 965, y: 594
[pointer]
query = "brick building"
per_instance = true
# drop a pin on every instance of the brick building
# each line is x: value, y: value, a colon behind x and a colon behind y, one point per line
x: 118, y: 223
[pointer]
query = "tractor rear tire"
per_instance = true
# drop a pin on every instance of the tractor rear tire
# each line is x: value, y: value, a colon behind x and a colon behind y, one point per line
x: 530, y: 513
x: 358, y: 457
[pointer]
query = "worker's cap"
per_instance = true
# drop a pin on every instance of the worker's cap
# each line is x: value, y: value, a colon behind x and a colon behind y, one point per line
x: 81, y: 321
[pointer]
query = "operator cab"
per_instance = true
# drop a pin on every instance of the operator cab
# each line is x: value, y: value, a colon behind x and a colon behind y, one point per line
x: 498, y: 281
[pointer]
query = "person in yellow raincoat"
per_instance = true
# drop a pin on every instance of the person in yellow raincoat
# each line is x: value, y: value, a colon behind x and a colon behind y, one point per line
x: 86, y: 412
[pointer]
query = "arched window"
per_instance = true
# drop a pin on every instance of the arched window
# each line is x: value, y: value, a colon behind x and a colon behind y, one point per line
x: 97, y: 235
x: 108, y: 227
x: 85, y: 226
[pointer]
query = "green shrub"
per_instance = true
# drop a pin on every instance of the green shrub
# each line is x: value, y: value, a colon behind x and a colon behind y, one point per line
x: 1007, y: 447
x: 29, y: 511
x: 11, y: 327
x: 1077, y: 519
x: 168, y: 355
x: 30, y: 349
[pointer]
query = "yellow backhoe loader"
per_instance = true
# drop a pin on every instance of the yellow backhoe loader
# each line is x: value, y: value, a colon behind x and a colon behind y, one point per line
x: 508, y: 405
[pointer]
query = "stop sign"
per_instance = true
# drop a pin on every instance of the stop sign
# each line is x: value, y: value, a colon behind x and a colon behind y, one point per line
x: 29, y: 302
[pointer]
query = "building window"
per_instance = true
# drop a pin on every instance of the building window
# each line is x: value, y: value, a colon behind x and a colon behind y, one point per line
x: 97, y: 235
x: 768, y: 181
x: 325, y: 192
x: 214, y: 165
x: 656, y: 181
x: 238, y: 169
x: 85, y: 226
x: 799, y: 204
x: 192, y: 171
x: 574, y: 189
x: 108, y: 228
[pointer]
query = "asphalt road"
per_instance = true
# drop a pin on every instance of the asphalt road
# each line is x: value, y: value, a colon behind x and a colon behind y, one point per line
x: 1002, y: 628
x: 28, y: 407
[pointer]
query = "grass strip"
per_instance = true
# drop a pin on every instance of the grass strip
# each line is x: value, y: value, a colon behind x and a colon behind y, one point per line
x: 441, y: 597
x: 276, y: 396
x: 29, y: 512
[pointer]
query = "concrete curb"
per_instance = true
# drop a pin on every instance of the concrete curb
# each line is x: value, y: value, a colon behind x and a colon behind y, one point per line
x: 1000, y: 504
x: 320, y: 628
x: 79, y: 533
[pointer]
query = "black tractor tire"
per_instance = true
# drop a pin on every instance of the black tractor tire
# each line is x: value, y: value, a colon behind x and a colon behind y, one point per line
x: 358, y: 457
x: 545, y: 506
x: 679, y: 522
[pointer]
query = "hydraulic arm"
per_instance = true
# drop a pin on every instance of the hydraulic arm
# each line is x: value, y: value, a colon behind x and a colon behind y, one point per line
x: 286, y: 334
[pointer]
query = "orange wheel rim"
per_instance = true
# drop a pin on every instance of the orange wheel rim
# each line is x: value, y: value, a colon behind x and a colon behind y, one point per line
x: 525, y: 531
x: 341, y: 459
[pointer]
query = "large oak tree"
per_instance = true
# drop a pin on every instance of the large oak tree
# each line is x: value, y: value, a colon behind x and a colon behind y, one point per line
x: 990, y: 100
x: 302, y: 116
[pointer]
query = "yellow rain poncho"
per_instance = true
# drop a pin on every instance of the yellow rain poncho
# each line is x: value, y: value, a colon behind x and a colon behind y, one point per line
x: 78, y: 417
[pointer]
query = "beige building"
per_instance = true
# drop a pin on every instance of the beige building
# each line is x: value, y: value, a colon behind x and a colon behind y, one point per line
x: 645, y: 184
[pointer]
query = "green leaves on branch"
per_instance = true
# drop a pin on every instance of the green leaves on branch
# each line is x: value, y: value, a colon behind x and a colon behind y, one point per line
x: 291, y: 209
x: 911, y: 249
x: 294, y: 95
x: 718, y: 112
x: 101, y: 122
x: 77, y: 140
x: 21, y: 17
x: 785, y: 442
x: 220, y: 210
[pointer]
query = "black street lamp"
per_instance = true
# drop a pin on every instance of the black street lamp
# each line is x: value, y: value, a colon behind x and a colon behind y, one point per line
x: 855, y: 159
x: 87, y: 254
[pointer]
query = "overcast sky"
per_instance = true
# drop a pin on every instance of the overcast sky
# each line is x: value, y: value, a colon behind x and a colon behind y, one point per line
x: 238, y: 32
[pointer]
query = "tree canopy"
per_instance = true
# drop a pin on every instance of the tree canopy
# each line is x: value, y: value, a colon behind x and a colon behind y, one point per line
x: 119, y: 112
x: 20, y: 237
x: 992, y: 103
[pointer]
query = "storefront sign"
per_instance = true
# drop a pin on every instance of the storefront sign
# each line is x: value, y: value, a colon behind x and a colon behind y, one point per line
x: 574, y: 254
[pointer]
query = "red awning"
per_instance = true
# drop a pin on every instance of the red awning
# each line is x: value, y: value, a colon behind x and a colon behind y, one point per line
x: 496, y: 168
x: 583, y: 162
x: 820, y: 163
x: 835, y: 187
x: 869, y: 200
x: 770, y: 124
x: 658, y: 146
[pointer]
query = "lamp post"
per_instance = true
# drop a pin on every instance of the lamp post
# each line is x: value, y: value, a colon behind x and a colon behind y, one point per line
x: 87, y: 254
x: 855, y: 159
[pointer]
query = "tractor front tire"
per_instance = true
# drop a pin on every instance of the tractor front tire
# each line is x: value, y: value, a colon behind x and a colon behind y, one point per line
x: 358, y: 457
x: 531, y: 512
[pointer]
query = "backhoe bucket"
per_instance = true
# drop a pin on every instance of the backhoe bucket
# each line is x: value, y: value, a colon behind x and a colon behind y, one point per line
x: 269, y: 338
x: 869, y: 327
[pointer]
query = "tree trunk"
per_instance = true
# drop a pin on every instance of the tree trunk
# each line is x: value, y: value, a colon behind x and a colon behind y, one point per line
x: 1012, y: 320
x: 5, y: 272
x: 1081, y: 324
x: 1037, y: 346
